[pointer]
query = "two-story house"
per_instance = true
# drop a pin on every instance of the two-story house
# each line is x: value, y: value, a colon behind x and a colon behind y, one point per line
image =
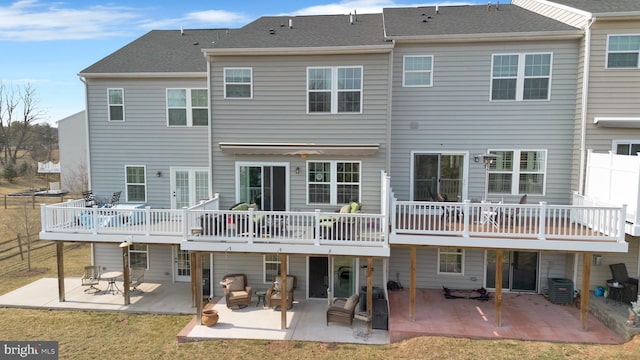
x: 426, y: 126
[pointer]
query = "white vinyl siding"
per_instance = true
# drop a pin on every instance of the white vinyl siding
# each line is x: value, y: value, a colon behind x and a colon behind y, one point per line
x: 521, y: 76
x: 623, y: 51
x: 136, y: 185
x: 187, y: 107
x: 333, y: 182
x: 417, y: 71
x: 115, y: 101
x: 334, y: 90
x: 238, y: 83
x: 517, y: 172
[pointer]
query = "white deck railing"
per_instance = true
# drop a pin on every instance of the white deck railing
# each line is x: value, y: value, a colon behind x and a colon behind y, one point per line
x: 541, y: 221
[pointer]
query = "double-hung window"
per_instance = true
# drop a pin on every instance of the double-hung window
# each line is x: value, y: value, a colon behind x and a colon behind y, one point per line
x: 238, y: 83
x: 451, y: 261
x: 417, y: 71
x: 136, y: 184
x: 139, y: 255
x: 623, y: 51
x: 521, y: 77
x: 334, y: 90
x: 187, y: 107
x: 333, y: 182
x: 271, y: 267
x: 115, y: 100
x: 517, y: 172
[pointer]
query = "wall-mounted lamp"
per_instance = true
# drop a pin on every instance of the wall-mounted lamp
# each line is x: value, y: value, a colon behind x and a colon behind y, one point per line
x: 159, y: 174
x: 127, y: 242
x: 297, y: 170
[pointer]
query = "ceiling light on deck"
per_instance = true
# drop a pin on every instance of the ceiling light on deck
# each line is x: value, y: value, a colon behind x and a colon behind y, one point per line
x: 127, y: 242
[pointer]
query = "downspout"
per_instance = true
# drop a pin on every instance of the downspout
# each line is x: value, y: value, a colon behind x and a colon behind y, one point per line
x: 583, y: 107
x: 88, y: 154
x: 86, y: 128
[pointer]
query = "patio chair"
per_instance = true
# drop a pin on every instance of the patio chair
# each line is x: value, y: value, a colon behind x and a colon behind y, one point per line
x: 236, y: 290
x: 115, y: 200
x: 491, y: 214
x: 89, y: 199
x: 629, y: 291
x: 340, y: 227
x: 343, y: 310
x: 91, y: 277
x: 274, y: 293
x: 136, y: 277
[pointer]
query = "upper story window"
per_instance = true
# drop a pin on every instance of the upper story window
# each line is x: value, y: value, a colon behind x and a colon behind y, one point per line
x: 115, y: 100
x: 333, y: 182
x: 623, y: 52
x: 334, y: 90
x: 525, y: 176
x: 627, y: 147
x: 136, y: 183
x: 187, y: 107
x: 521, y: 77
x: 238, y: 83
x: 417, y: 71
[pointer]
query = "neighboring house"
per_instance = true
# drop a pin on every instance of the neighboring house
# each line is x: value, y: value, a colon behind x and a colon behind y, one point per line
x: 72, y: 144
x: 607, y: 109
x: 302, y: 115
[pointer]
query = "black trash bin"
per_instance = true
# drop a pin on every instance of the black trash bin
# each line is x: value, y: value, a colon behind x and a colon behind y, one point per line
x: 376, y: 293
x: 380, y: 315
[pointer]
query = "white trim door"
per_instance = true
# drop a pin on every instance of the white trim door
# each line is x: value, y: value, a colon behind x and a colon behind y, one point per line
x: 439, y: 172
x: 189, y: 186
x: 182, y: 268
x: 265, y: 183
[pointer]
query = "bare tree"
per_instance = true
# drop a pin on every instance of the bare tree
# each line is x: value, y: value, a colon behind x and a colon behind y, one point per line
x: 75, y: 179
x: 18, y: 111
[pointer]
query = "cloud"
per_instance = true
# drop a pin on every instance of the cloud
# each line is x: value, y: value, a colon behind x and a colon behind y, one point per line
x: 34, y: 20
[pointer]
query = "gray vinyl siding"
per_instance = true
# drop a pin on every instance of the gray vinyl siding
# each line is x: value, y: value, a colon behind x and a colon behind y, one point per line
x: 457, y: 115
x: 557, y: 12
x: 612, y: 92
x: 601, y: 273
x: 427, y: 276
x: 109, y: 258
x: 277, y: 114
x: 142, y: 139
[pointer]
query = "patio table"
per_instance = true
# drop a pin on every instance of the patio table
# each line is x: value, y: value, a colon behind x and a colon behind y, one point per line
x: 111, y: 277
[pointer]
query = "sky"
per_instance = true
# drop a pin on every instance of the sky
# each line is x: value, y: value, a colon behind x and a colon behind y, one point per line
x: 45, y: 44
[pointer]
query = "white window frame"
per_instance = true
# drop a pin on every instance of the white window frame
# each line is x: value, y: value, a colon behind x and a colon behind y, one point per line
x: 620, y: 52
x: 334, y: 90
x: 126, y: 182
x: 110, y: 105
x: 520, y: 76
x: 455, y: 252
x: 188, y: 108
x: 617, y: 143
x: 250, y: 83
x: 405, y: 72
x: 333, y: 181
x: 516, y: 171
x: 266, y: 261
x: 133, y: 250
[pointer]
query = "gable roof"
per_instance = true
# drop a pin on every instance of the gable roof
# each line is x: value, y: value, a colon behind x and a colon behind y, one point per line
x: 602, y: 7
x: 473, y: 21
x: 160, y: 51
x: 298, y: 32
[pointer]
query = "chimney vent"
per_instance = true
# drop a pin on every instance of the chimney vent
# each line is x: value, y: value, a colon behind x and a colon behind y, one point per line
x: 290, y: 23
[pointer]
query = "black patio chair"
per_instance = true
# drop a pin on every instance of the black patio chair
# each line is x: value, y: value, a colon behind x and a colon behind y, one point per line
x: 629, y: 291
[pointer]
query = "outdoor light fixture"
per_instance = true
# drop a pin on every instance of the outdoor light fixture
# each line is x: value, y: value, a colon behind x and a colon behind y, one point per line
x: 487, y: 160
x: 159, y: 173
x: 298, y: 170
x: 127, y: 242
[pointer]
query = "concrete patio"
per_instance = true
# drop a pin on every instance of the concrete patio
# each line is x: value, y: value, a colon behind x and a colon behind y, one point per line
x: 524, y: 316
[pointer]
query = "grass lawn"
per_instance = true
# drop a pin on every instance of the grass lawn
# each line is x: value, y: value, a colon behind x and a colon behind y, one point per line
x: 103, y: 335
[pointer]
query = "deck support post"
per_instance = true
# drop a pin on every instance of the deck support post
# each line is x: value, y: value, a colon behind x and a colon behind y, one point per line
x: 498, y: 299
x: 60, y: 263
x: 584, y: 291
x: 196, y: 261
x: 369, y: 293
x: 125, y: 275
x: 412, y: 285
x: 283, y: 292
